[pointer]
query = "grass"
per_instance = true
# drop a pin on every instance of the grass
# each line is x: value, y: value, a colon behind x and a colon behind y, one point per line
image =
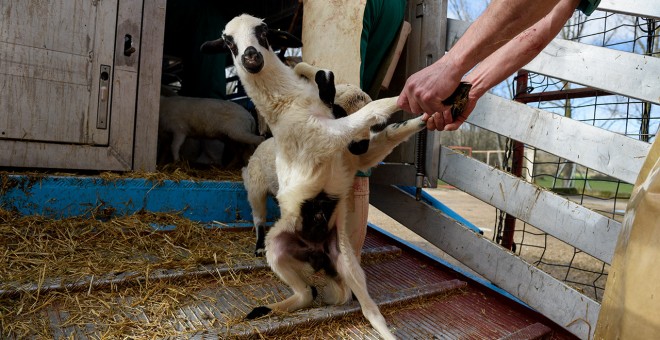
x: 594, y: 187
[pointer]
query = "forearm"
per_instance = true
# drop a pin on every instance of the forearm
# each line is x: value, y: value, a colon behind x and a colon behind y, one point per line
x: 501, y: 22
x: 521, y: 50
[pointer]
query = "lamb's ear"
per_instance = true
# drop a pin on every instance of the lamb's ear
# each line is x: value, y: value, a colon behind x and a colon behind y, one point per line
x: 279, y: 39
x: 214, y: 46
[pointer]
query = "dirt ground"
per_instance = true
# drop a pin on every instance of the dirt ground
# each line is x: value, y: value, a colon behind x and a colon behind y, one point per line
x: 555, y: 255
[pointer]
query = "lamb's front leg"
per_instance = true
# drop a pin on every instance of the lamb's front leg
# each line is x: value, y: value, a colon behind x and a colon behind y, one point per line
x: 383, y: 142
x: 354, y: 125
x: 375, y: 112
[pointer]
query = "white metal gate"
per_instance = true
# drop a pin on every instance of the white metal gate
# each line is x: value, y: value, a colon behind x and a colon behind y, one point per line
x: 629, y: 74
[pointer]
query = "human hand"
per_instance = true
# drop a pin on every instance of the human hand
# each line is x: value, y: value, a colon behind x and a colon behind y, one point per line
x: 425, y: 90
x: 438, y: 122
x: 461, y: 105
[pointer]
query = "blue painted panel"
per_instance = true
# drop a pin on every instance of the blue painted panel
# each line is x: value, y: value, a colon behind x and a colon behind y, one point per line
x: 58, y: 197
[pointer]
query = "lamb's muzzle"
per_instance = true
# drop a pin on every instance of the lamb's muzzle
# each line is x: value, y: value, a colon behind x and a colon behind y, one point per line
x: 252, y: 60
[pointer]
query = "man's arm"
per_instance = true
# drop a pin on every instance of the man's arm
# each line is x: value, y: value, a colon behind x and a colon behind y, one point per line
x: 511, y: 57
x: 502, y: 20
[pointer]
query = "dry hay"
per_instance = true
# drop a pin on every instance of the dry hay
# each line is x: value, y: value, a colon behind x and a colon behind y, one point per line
x: 179, y: 171
x: 33, y: 249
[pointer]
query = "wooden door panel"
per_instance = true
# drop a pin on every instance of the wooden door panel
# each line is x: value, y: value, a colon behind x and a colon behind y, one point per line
x: 50, y: 54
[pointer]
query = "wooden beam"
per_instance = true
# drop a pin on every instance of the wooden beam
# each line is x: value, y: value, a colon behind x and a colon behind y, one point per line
x: 629, y: 74
x: 148, y: 90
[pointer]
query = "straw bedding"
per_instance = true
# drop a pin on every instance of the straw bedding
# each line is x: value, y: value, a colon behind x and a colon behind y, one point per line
x: 34, y: 249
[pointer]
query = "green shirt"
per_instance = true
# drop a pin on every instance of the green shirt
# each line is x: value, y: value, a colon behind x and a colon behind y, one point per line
x: 588, y: 6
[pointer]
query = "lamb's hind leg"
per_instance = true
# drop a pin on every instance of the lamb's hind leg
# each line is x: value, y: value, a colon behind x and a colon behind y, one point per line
x: 293, y: 272
x: 257, y: 197
x: 259, y: 211
x: 350, y: 271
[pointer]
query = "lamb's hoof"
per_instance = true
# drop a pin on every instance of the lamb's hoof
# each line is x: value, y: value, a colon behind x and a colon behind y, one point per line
x: 359, y: 147
x: 338, y: 111
x: 315, y: 292
x: 259, y: 252
x: 325, y: 80
x: 258, y: 312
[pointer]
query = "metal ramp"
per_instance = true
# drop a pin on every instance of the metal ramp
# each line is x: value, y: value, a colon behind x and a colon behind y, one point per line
x: 420, y: 298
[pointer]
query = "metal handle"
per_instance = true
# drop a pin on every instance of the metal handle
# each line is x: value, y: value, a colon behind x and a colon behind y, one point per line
x: 104, y: 98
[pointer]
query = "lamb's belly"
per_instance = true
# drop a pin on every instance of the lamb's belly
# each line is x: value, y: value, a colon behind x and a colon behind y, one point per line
x: 338, y: 185
x: 333, y: 181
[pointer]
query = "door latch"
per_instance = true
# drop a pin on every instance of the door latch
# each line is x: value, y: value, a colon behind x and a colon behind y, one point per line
x: 104, y: 98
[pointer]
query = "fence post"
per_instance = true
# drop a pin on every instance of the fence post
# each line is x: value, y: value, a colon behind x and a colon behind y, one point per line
x: 516, y: 168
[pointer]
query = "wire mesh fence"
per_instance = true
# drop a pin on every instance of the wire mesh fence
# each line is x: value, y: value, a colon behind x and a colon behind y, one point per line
x: 606, y: 195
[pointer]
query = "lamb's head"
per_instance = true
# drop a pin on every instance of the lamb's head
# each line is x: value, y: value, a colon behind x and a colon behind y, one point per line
x: 251, y: 43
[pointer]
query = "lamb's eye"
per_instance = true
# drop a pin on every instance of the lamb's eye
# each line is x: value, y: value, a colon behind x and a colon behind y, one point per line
x: 229, y: 44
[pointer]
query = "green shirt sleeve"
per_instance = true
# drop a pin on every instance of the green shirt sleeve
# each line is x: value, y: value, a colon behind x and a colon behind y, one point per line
x: 588, y: 6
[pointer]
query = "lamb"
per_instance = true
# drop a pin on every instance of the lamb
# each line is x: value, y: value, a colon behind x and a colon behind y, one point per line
x: 206, y: 117
x: 259, y: 176
x: 260, y: 179
x: 314, y: 170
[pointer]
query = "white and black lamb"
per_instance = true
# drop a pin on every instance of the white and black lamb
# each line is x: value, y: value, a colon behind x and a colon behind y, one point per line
x: 314, y: 169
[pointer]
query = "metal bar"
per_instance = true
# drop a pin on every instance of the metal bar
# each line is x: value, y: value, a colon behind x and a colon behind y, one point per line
x: 509, y: 219
x: 536, y: 331
x: 638, y: 8
x: 426, y: 44
x: 604, y: 151
x: 568, y: 221
x: 557, y: 301
x: 516, y: 169
x: 394, y: 173
x: 127, y: 278
x: 584, y: 92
